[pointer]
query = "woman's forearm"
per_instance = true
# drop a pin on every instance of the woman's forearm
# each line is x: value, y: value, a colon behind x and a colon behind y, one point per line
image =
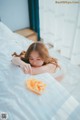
x: 50, y: 68
x: 17, y: 61
x: 38, y: 70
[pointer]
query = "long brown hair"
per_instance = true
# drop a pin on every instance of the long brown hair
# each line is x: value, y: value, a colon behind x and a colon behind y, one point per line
x: 43, y: 52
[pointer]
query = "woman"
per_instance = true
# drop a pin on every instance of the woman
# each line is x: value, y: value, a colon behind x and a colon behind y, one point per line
x: 37, y: 60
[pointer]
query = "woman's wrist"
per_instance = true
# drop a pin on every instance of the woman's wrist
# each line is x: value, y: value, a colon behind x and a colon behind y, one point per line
x: 17, y: 61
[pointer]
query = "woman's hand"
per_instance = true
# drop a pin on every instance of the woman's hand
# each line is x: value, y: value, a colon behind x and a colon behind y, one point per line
x: 50, y: 68
x: 26, y: 68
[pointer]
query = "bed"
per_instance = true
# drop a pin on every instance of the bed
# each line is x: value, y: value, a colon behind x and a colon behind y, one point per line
x: 56, y: 103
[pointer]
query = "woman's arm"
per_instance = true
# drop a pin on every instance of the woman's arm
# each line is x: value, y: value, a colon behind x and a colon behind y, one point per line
x: 17, y: 61
x: 50, y: 68
x: 24, y: 66
x: 27, y: 69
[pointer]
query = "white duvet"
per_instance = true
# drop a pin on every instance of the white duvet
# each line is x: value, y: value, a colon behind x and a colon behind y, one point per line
x: 21, y: 104
x: 71, y: 79
x: 11, y: 42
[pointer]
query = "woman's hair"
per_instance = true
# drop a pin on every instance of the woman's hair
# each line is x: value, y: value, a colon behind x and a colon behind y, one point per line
x: 41, y: 49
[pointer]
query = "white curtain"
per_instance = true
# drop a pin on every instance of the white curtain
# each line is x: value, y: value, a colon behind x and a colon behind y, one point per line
x: 60, y: 25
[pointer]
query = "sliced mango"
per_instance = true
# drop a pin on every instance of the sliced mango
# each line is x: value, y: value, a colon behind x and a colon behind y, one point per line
x: 35, y: 86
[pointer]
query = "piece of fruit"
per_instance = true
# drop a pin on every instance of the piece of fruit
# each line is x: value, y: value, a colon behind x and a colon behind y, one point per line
x: 35, y: 86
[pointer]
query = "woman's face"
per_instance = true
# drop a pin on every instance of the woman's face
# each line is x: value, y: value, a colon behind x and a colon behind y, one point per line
x: 35, y: 59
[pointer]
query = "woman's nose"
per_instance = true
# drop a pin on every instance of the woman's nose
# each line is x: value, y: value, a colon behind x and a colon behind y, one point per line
x: 34, y: 61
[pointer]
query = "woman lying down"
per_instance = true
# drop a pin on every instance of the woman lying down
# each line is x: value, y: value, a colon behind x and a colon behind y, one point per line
x: 37, y: 60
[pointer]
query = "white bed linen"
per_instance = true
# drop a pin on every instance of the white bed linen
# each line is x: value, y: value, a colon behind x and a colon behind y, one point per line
x: 21, y: 104
x: 71, y: 72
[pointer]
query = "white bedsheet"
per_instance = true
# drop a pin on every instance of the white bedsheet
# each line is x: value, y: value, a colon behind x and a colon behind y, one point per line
x: 71, y: 79
x: 21, y: 104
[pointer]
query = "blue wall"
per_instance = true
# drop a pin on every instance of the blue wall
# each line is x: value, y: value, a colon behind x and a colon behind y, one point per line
x: 14, y: 13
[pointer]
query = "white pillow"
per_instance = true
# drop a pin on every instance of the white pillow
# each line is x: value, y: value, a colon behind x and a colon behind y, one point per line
x: 4, y: 31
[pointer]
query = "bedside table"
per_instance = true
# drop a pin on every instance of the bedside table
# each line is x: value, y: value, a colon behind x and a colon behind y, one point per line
x: 28, y: 33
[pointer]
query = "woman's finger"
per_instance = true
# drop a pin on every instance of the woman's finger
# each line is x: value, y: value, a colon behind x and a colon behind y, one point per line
x: 30, y: 69
x: 26, y: 70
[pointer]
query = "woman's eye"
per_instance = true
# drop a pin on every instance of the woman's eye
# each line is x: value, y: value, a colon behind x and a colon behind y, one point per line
x: 38, y: 59
x: 34, y: 59
x: 31, y: 59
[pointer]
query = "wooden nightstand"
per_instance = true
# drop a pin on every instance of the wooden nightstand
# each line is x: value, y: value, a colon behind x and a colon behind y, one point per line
x: 28, y: 33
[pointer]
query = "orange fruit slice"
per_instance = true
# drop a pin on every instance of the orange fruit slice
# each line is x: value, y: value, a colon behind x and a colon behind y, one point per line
x: 35, y: 86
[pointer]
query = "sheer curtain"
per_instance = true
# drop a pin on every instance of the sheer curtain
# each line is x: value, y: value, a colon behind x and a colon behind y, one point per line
x: 60, y: 25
